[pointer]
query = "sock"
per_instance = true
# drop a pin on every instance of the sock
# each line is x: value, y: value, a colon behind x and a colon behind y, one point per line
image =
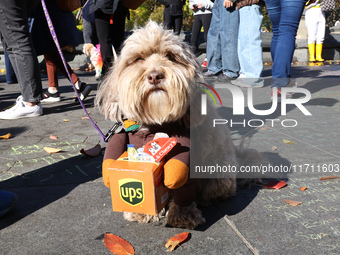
x: 78, y: 84
x: 52, y: 91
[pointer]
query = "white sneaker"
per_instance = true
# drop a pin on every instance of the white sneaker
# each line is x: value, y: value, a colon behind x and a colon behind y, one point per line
x: 21, y: 110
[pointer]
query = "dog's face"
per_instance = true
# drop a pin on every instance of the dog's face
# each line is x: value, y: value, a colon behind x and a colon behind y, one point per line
x: 152, y: 78
x: 87, y: 48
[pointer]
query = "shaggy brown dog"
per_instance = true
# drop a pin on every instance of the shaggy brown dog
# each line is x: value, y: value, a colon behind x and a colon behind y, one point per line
x: 155, y: 81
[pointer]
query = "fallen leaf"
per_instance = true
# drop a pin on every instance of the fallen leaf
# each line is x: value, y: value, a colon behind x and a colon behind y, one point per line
x: 95, y: 151
x: 329, y: 177
x: 275, y: 185
x: 65, y: 120
x: 264, y: 128
x: 84, y: 118
x: 53, y: 137
x: 292, y: 203
x: 274, y: 148
x: 303, y: 188
x: 287, y: 141
x: 118, y: 245
x: 176, y: 240
x: 51, y: 150
x: 7, y: 136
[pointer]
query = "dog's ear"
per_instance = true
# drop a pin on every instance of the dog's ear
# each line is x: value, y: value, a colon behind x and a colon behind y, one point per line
x: 107, y: 97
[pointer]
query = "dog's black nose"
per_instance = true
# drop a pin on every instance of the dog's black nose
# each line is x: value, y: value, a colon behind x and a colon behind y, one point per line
x: 155, y: 77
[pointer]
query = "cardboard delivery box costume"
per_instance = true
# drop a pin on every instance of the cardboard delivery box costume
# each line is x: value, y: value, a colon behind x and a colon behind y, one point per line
x: 137, y: 186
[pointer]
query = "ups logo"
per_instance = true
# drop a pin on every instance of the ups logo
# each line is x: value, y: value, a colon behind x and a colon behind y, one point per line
x: 131, y: 191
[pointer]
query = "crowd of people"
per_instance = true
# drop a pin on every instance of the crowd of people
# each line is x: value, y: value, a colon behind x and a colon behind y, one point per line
x: 232, y: 31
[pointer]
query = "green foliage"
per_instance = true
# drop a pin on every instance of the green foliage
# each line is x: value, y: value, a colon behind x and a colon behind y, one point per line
x: 266, y: 21
x: 334, y: 15
x: 152, y: 9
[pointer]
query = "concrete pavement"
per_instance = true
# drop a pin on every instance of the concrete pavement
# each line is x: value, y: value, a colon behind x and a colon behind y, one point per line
x: 64, y: 208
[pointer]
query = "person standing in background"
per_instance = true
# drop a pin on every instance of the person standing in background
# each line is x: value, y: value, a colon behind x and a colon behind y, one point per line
x: 173, y: 14
x: 222, y: 42
x: 109, y: 18
x: 202, y: 17
x: 17, y: 43
x: 67, y: 33
x: 249, y: 46
x: 285, y: 17
x: 316, y: 26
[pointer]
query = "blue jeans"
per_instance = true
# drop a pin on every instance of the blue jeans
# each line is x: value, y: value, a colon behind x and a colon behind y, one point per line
x: 10, y: 75
x: 249, y: 41
x: 18, y: 45
x: 285, y: 17
x: 222, y: 40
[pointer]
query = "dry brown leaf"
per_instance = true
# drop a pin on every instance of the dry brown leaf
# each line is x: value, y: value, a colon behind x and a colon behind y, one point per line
x: 176, y: 240
x: 95, y: 151
x: 84, y: 118
x: 53, y: 137
x: 303, y: 188
x: 65, y: 120
x: 264, y: 128
x: 292, y: 203
x: 329, y: 177
x: 274, y: 148
x: 275, y: 185
x: 118, y: 245
x: 287, y: 141
x: 51, y: 150
x: 7, y: 136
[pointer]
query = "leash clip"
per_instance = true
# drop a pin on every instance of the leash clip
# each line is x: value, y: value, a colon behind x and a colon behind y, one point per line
x: 116, y: 128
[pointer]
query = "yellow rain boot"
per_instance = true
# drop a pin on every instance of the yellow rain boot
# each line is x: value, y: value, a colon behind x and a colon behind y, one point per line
x: 319, y: 52
x: 311, y: 48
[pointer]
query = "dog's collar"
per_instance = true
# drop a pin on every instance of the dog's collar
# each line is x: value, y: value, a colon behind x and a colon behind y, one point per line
x: 130, y: 125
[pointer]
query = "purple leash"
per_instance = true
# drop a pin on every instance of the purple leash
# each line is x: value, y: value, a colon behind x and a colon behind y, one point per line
x: 117, y: 125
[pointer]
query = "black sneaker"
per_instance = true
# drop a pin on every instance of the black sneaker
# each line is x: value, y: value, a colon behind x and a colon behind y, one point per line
x: 225, y: 78
x: 84, y: 91
x: 49, y: 97
x: 209, y: 74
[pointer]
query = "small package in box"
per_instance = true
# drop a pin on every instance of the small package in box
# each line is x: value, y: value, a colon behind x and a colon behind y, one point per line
x: 137, y: 186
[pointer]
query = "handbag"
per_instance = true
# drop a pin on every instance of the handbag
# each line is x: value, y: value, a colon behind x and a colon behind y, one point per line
x: 69, y: 5
x: 327, y: 5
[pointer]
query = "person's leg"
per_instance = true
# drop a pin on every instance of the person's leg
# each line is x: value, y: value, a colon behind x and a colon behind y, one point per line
x: 311, y: 25
x: 205, y: 20
x: 167, y: 19
x: 274, y: 13
x: 320, y: 34
x: 196, y: 27
x: 178, y: 20
x: 54, y: 61
x: 214, y: 55
x: 110, y: 34
x: 229, y: 38
x: 10, y: 75
x: 249, y: 41
x: 52, y: 71
x: 290, y: 15
x: 18, y: 45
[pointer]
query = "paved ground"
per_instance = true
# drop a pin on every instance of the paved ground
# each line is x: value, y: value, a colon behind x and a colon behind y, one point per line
x: 64, y: 208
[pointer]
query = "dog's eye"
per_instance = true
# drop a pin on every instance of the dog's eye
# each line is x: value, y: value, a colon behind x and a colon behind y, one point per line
x: 139, y: 59
x: 171, y: 57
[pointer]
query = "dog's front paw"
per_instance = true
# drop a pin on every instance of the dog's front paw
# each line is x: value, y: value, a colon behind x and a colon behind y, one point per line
x: 188, y: 217
x: 142, y: 217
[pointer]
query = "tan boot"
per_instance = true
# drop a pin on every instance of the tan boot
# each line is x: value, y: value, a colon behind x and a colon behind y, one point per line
x: 311, y: 48
x: 319, y: 52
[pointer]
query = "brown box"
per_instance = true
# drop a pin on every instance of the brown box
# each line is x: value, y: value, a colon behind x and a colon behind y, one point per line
x: 137, y: 186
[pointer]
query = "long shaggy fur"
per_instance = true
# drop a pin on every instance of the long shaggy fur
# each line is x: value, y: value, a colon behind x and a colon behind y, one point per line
x: 126, y: 92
